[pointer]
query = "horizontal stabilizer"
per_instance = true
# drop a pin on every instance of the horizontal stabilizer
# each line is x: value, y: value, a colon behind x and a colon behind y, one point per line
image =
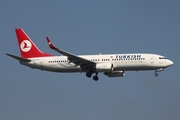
x: 19, y: 58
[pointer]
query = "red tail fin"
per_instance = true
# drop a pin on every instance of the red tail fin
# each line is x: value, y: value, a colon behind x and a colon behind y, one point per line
x: 27, y: 48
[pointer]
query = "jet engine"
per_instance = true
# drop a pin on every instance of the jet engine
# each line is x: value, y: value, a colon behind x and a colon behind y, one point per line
x: 115, y: 74
x: 104, y: 67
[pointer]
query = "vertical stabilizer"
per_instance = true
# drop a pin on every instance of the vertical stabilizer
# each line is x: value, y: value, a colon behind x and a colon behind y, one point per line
x: 27, y: 48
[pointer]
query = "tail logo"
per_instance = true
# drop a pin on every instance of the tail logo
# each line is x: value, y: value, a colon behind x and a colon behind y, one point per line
x: 25, y: 45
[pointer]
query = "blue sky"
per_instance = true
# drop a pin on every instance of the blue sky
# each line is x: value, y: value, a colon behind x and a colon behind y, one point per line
x: 90, y: 27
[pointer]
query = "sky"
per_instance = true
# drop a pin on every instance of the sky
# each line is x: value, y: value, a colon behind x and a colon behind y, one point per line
x: 90, y: 27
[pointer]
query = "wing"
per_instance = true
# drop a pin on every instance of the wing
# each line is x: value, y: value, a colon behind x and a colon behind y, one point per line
x: 84, y: 63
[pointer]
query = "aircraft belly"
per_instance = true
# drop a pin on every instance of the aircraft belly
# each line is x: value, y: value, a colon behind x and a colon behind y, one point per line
x: 53, y: 67
x: 131, y: 67
x: 62, y: 68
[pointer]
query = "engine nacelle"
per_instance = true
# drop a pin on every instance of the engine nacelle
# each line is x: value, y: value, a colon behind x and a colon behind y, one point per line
x: 115, y: 74
x: 104, y: 67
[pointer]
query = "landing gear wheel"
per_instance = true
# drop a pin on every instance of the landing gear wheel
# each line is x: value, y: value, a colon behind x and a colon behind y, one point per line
x: 95, y: 78
x: 155, y: 74
x: 88, y: 74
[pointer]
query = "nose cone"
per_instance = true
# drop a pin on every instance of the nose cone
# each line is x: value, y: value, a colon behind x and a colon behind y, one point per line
x: 169, y: 63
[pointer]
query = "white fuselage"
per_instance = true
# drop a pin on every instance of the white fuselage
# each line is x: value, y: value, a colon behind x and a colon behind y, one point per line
x: 121, y: 62
x: 112, y: 65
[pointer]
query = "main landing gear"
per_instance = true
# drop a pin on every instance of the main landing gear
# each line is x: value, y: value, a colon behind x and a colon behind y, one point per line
x: 95, y: 77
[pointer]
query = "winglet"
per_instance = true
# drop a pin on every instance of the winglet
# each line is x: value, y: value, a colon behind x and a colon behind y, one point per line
x: 50, y: 43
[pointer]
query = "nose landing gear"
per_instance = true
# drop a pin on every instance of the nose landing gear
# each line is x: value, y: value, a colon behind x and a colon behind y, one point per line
x: 155, y: 74
x: 158, y: 70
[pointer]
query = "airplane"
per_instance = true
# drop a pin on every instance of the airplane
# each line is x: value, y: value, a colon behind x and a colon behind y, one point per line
x: 112, y: 65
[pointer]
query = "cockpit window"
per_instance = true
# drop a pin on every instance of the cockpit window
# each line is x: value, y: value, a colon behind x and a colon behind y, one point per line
x: 162, y: 58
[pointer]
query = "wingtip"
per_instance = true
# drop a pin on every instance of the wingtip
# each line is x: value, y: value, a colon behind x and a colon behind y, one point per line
x: 7, y: 54
x: 50, y: 43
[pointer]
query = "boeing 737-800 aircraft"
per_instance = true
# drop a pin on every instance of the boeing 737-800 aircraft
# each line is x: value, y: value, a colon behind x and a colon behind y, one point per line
x: 112, y: 65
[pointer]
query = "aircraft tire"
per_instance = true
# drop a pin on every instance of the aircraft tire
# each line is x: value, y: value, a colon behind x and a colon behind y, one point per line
x: 95, y: 78
x: 88, y: 74
x: 155, y: 74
